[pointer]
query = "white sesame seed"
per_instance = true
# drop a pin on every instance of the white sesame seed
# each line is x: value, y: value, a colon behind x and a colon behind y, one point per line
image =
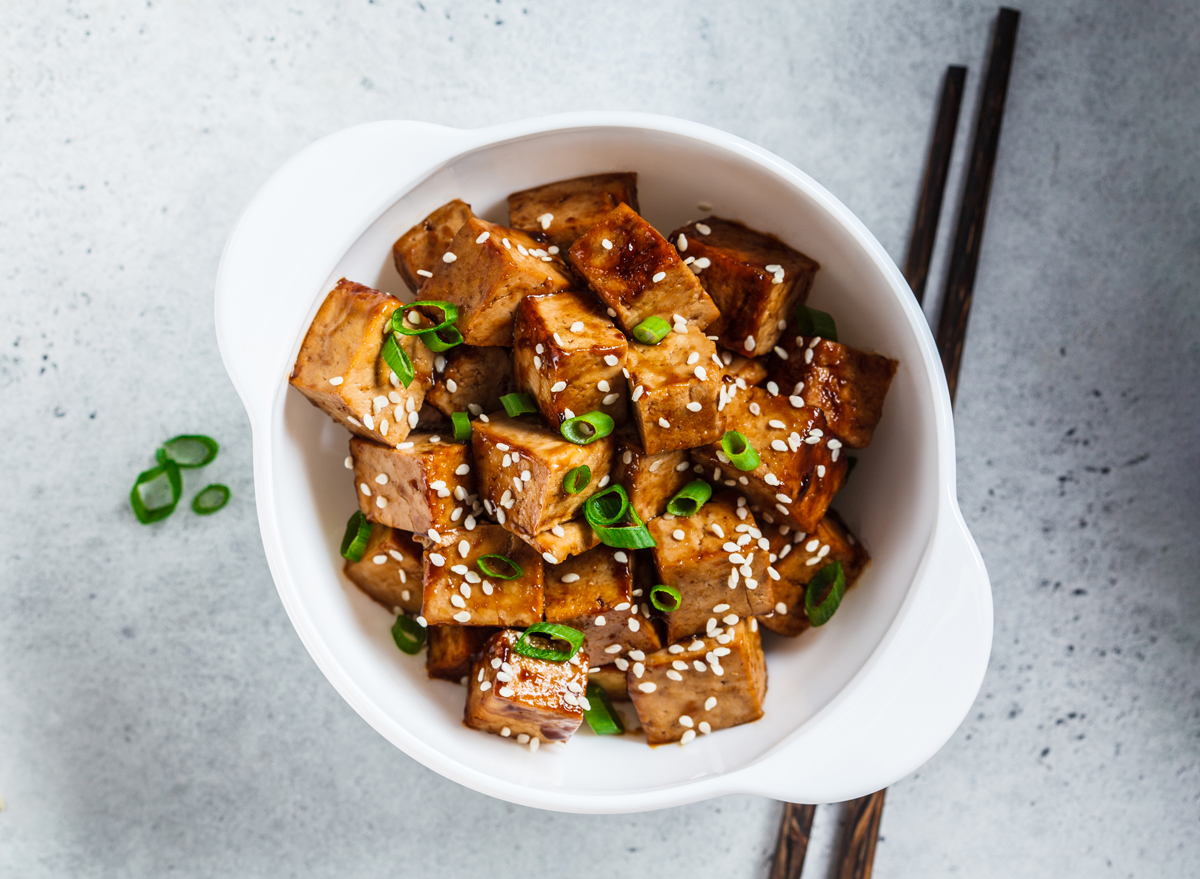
x: 611, y: 359
x: 448, y: 257
x: 702, y: 263
x: 557, y: 387
x: 621, y: 664
x: 609, y: 399
x: 703, y: 229
x: 779, y: 445
x: 457, y: 600
x: 413, y: 418
x: 546, y: 220
x: 354, y: 421
x: 647, y: 686
x: 424, y: 274
x: 635, y: 396
x: 674, y: 675
x: 678, y: 534
x: 620, y: 557
x: 688, y: 734
x: 663, y: 423
x: 523, y: 250
x: 606, y: 244
x: 634, y: 625
x: 336, y: 380
x: 658, y: 276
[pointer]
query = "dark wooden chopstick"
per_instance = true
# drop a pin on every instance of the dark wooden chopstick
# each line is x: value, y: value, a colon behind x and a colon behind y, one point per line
x: 859, y: 836
x: 794, y: 830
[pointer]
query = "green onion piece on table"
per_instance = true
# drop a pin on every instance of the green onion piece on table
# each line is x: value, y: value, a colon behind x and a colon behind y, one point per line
x: 652, y: 330
x: 812, y: 322
x: 462, y: 426
x: 739, y: 451
x: 156, y: 492
x: 577, y: 479
x: 210, y: 499
x: 408, y: 635
x: 832, y: 577
x: 555, y: 631
x: 665, y: 598
x: 690, y: 498
x: 518, y: 404
x: 600, y: 714
x: 584, y: 429
x: 406, y: 328
x: 484, y: 564
x: 354, y: 542
x: 188, y: 450
x: 398, y: 360
x: 434, y: 341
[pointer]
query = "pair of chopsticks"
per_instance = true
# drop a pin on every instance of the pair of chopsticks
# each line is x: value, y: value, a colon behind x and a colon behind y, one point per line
x: 862, y: 817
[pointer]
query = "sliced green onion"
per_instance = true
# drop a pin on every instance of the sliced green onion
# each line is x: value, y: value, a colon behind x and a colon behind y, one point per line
x: 690, y: 499
x: 625, y: 536
x: 741, y: 454
x: 462, y: 426
x: 819, y: 614
x: 156, y: 492
x: 812, y: 322
x: 188, y: 451
x: 555, y: 631
x: 398, y: 360
x: 584, y: 429
x: 404, y: 328
x: 434, y: 341
x: 518, y: 404
x: 488, y: 571
x: 354, y: 543
x: 577, y: 479
x: 600, y: 714
x: 652, y: 330
x: 210, y: 499
x: 408, y: 634
x: 666, y: 598
x: 851, y: 463
x: 607, y: 507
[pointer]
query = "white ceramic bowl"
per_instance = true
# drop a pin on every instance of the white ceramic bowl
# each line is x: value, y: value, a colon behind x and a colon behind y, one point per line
x: 851, y: 707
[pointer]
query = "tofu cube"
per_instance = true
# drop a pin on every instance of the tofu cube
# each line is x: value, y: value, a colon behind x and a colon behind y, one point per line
x: 564, y: 210
x: 611, y: 679
x: 520, y: 467
x: 701, y: 686
x: 457, y: 592
x: 561, y: 542
x: 390, y: 569
x: 802, y: 465
x: 593, y: 593
x: 490, y: 269
x: 650, y: 480
x: 423, y: 483
x: 846, y: 384
x: 340, y: 370
x: 451, y: 650
x: 798, y: 556
x: 471, y: 380
x: 568, y: 356
x: 750, y: 370
x: 754, y: 278
x: 637, y: 273
x: 510, y: 694
x: 676, y: 387
x: 419, y: 250
x: 717, y: 559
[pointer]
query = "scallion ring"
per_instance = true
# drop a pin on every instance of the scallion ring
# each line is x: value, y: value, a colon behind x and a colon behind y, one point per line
x: 812, y: 322
x: 210, y: 499
x: 404, y: 328
x: 488, y: 571
x: 434, y: 342
x: 690, y: 498
x: 625, y: 536
x: 398, y: 361
x: 462, y: 426
x: 584, y: 429
x: 518, y: 404
x: 188, y: 450
x: 607, y: 507
x: 741, y: 454
x: 354, y: 542
x: 408, y: 634
x: 577, y: 479
x: 652, y: 330
x: 600, y: 715
x: 831, y: 576
x: 555, y: 631
x: 156, y: 492
x: 665, y: 598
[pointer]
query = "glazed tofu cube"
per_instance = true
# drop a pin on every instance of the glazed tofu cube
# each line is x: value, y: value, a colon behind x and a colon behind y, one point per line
x: 509, y: 694
x: 487, y: 272
x: 846, y: 384
x: 458, y: 592
x: 798, y: 556
x: 568, y: 356
x: 564, y: 210
x: 637, y: 273
x: 676, y: 388
x: 593, y: 593
x: 561, y: 542
x: 701, y: 685
x: 649, y: 480
x: 750, y: 370
x: 472, y: 380
x: 390, y: 569
x: 521, y: 466
x: 419, y: 250
x: 717, y: 559
x: 423, y: 483
x: 802, y: 464
x: 754, y: 278
x: 451, y: 650
x: 340, y: 370
x: 611, y: 679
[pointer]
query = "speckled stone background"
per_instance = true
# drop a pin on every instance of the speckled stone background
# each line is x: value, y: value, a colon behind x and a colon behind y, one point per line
x: 157, y: 713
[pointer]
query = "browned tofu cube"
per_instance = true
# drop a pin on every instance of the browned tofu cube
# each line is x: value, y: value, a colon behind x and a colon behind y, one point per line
x: 423, y: 483
x: 458, y: 592
x: 593, y: 593
x: 486, y: 272
x: 754, y: 278
x: 560, y: 542
x: 471, y: 380
x: 611, y: 679
x: 564, y: 210
x: 846, y: 384
x: 649, y: 480
x: 451, y: 650
x: 676, y: 388
x: 419, y: 250
x: 802, y: 464
x: 717, y: 559
x: 390, y: 569
x: 750, y: 370
x: 798, y: 556
x: 340, y: 370
x: 569, y: 357
x: 510, y: 694
x: 701, y: 685
x: 520, y: 467
x: 637, y: 273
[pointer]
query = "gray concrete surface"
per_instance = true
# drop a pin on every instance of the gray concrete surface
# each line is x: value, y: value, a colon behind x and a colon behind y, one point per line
x: 157, y: 713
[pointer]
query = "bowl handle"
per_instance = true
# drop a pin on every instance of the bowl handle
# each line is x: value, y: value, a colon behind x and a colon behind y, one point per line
x: 934, y: 667
x: 298, y: 226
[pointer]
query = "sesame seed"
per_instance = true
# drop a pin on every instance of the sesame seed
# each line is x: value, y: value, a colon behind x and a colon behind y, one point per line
x: 448, y: 257
x: 523, y: 250
x: 694, y: 406
x: 779, y: 445
x: 621, y: 664
x: 550, y: 558
x: 663, y: 423
x: 637, y: 654
x: 557, y: 387
x: 703, y: 229
x: 634, y: 625
x: 368, y: 421
x: 674, y: 675
x: 609, y: 399
x: 546, y: 220
x: 637, y: 395
x: 611, y: 359
x: 413, y: 418
x: 749, y: 343
x: 702, y: 263
x: 658, y: 276
x: 457, y: 601
x: 688, y: 734
x: 620, y: 557
x: 820, y: 471
x: 647, y: 686
x: 364, y: 488
x: 678, y: 534
x: 606, y: 244
x: 354, y: 421
x: 599, y: 621
x: 336, y: 380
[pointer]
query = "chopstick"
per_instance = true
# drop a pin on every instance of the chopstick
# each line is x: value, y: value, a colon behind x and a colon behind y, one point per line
x: 862, y: 819
x: 794, y: 830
